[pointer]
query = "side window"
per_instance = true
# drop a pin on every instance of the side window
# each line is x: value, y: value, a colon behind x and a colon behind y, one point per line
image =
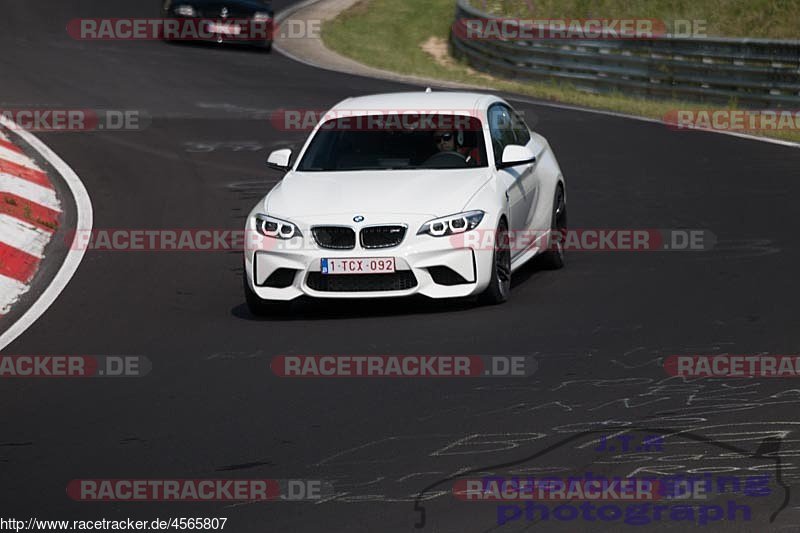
x: 521, y: 131
x: 501, y: 129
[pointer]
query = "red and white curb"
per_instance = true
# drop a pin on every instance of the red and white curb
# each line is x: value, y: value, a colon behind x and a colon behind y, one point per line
x: 29, y: 218
x: 29, y: 212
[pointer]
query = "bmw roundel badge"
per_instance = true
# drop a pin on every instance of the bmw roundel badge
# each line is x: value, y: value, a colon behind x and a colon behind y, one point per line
x: 358, y: 218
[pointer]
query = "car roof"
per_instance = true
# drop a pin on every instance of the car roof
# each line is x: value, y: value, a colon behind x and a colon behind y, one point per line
x: 413, y: 101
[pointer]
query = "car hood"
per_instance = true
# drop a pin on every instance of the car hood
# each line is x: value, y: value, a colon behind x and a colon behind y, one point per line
x: 423, y: 192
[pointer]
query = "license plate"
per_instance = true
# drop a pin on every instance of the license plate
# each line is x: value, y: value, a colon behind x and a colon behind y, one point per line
x: 358, y: 265
x: 227, y: 29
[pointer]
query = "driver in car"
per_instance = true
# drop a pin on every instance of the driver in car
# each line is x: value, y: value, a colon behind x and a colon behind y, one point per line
x: 450, y: 141
x: 445, y: 141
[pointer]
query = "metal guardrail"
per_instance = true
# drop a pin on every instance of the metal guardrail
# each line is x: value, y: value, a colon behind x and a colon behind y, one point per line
x: 748, y: 72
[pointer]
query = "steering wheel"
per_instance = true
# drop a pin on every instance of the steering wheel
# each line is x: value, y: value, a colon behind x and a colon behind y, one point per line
x: 446, y: 160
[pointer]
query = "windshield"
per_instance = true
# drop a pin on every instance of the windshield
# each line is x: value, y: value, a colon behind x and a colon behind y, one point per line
x: 396, y: 142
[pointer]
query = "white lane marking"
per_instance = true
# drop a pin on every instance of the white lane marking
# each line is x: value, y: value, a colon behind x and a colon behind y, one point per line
x: 84, y: 217
x: 10, y: 291
x: 30, y: 191
x: 18, y: 158
x: 23, y: 236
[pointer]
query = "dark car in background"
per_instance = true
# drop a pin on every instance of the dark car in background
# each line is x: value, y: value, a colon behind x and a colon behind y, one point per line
x: 247, y: 22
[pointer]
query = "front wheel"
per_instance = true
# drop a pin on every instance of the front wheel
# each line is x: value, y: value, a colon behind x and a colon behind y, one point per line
x: 500, y: 285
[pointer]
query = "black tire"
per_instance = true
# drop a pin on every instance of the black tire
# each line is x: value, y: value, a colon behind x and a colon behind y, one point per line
x: 266, y: 47
x: 553, y: 258
x: 499, y: 287
x: 259, y: 306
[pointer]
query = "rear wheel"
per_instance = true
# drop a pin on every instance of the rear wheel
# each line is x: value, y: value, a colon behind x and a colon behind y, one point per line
x: 500, y: 285
x: 261, y: 307
x: 553, y: 258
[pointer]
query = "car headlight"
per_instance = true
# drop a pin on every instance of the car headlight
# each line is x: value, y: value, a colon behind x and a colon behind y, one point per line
x: 452, y: 224
x: 261, y: 16
x: 276, y: 228
x: 185, y: 11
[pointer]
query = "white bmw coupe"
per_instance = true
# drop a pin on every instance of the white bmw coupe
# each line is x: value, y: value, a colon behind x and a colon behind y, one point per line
x: 442, y: 194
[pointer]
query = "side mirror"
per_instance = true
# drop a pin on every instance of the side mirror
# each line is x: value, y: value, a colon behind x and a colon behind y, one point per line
x: 515, y: 154
x: 280, y: 159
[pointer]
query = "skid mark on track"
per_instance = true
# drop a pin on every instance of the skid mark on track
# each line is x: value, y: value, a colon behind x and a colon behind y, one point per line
x: 244, y: 466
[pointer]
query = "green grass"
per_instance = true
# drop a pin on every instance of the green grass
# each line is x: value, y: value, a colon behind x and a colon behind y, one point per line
x: 389, y: 34
x: 777, y: 19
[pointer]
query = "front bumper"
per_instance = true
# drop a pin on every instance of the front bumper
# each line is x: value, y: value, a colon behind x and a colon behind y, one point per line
x: 437, y: 267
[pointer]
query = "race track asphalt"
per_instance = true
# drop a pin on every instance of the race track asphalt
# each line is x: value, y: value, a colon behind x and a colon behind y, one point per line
x: 211, y: 406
